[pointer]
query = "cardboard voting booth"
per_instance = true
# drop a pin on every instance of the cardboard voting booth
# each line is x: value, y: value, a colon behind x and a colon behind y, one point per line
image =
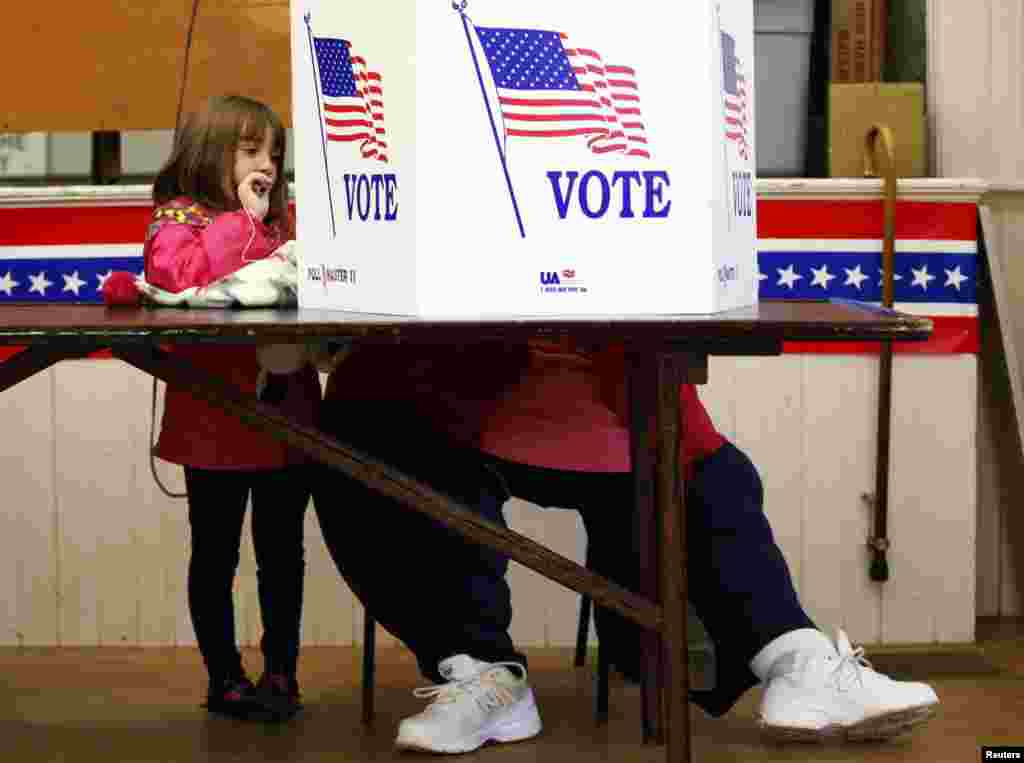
x: 532, y: 158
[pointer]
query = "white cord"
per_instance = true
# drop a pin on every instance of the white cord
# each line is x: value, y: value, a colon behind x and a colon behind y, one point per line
x: 252, y: 235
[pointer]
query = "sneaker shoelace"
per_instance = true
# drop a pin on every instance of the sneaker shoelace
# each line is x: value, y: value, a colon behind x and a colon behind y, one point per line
x: 850, y: 665
x: 482, y: 687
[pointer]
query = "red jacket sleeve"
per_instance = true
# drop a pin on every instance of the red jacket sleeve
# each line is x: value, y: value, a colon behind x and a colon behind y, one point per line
x: 181, y: 253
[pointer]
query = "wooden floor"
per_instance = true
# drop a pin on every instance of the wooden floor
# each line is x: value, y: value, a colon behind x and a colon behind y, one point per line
x: 127, y: 704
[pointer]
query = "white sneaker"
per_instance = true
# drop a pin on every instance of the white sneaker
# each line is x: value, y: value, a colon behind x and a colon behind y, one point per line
x: 482, y: 702
x: 812, y: 695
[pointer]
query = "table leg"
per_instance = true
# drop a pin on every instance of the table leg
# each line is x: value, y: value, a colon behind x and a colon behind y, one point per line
x: 642, y: 390
x: 671, y: 372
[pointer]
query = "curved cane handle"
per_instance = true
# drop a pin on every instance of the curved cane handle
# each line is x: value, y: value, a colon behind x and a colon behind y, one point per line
x: 882, y: 134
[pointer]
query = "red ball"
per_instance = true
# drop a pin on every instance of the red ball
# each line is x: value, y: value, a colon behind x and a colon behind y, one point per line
x: 119, y: 290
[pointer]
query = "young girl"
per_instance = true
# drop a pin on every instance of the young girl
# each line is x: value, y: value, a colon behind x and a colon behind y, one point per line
x: 220, y: 203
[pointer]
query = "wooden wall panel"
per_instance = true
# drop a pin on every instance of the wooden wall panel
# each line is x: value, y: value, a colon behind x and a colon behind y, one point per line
x: 931, y: 424
x: 96, y: 461
x: 28, y: 572
x: 976, y: 88
x: 1000, y: 584
x: 960, y: 105
x: 1005, y: 209
x: 997, y: 465
x: 839, y: 425
x: 329, y: 615
x: 529, y: 589
x: 118, y: 66
x: 162, y: 536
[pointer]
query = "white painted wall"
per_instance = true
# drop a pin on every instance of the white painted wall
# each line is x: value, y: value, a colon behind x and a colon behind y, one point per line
x: 975, y: 119
x: 93, y: 553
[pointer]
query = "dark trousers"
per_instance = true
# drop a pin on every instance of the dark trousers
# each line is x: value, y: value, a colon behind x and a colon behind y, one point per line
x: 449, y: 596
x: 437, y: 593
x: 216, y: 508
x: 739, y: 583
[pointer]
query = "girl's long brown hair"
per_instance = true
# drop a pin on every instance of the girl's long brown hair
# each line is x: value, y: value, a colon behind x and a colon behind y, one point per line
x: 204, y: 154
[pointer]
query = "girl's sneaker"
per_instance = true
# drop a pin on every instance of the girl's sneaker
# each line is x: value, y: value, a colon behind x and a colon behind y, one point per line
x: 277, y: 695
x: 233, y: 697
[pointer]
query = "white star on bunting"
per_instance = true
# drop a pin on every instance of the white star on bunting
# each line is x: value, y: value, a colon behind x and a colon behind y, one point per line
x: 895, y: 277
x: 922, y: 277
x: 761, y: 276
x: 102, y: 278
x: 39, y: 283
x: 954, y: 277
x: 7, y: 284
x: 822, y: 276
x: 788, y: 277
x: 72, y: 283
x: 855, y: 277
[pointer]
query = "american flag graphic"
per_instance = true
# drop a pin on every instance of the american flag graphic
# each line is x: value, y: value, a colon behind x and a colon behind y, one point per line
x: 548, y: 89
x: 352, y: 98
x: 734, y: 86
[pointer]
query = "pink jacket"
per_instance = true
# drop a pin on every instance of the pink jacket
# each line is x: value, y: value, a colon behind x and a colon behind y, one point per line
x: 568, y: 410
x: 186, y: 246
x: 543, y: 405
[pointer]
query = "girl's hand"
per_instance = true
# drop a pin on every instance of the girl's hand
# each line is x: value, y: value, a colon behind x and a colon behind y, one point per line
x: 254, y: 194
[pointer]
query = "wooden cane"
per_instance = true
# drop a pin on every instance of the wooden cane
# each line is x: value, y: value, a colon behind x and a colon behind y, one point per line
x: 879, y: 542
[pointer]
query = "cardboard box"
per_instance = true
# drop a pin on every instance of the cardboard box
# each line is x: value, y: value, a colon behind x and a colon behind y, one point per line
x: 854, y: 41
x: 854, y: 108
x: 528, y: 158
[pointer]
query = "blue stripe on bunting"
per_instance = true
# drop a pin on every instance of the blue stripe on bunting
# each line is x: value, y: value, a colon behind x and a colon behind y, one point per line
x: 941, y: 272
x: 73, y: 279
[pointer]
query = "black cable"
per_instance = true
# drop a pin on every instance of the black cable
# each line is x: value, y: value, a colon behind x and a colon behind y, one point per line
x: 152, y: 450
x: 184, y: 72
x: 177, y: 126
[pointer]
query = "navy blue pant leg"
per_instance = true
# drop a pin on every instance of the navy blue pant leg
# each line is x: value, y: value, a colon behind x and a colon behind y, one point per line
x: 739, y: 582
x: 436, y: 592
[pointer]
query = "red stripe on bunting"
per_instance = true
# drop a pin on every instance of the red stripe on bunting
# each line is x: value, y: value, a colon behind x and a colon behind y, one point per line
x: 777, y: 218
x: 952, y: 335
x: 864, y: 218
x: 42, y: 226
x: 54, y: 226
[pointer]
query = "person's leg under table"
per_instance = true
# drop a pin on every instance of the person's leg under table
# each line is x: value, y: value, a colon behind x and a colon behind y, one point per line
x: 446, y: 598
x: 438, y: 593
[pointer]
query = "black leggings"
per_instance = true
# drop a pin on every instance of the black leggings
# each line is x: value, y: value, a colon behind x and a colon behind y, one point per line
x: 216, y: 508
